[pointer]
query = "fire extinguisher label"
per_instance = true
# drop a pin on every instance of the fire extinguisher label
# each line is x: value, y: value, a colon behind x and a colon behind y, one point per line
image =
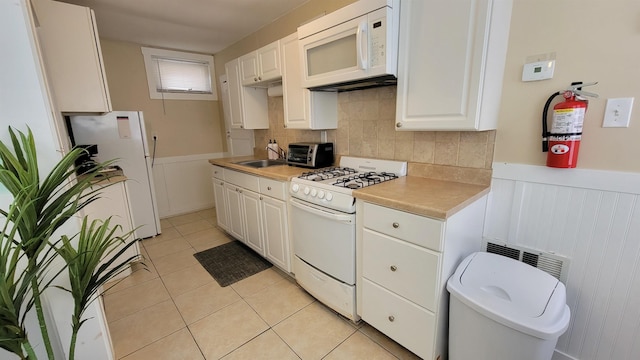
x: 567, y: 121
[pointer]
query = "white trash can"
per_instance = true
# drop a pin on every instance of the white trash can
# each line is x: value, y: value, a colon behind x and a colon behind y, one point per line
x: 503, y: 309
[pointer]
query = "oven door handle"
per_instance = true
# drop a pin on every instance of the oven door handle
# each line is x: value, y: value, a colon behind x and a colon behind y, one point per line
x: 345, y: 218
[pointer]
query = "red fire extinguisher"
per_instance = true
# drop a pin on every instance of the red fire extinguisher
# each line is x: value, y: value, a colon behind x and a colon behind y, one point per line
x: 562, y: 143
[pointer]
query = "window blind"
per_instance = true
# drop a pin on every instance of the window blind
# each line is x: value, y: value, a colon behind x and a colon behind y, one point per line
x: 182, y: 76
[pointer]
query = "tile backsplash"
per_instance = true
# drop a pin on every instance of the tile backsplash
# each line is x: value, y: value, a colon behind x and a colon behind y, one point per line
x: 366, y: 127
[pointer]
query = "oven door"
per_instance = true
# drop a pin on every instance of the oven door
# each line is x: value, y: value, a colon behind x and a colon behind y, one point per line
x: 325, y: 239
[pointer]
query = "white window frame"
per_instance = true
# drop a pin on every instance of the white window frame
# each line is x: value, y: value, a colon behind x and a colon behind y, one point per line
x: 148, y: 53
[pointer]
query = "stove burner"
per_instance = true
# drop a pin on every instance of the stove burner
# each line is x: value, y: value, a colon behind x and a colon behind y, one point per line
x: 361, y: 180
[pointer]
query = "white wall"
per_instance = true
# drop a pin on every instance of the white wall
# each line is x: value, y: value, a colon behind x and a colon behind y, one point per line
x: 183, y: 184
x: 24, y: 102
x: 592, y: 217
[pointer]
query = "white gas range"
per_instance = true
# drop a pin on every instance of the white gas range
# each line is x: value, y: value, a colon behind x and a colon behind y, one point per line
x: 323, y: 227
x: 332, y: 187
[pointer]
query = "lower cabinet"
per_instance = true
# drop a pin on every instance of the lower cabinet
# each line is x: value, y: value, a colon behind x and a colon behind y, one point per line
x: 404, y: 263
x: 253, y: 210
x: 253, y: 220
x: 113, y: 202
x: 276, y: 232
x: 220, y: 198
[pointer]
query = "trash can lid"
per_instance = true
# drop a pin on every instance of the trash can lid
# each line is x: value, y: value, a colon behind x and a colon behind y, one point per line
x: 512, y: 293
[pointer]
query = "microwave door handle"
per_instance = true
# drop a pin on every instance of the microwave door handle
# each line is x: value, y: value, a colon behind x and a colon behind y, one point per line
x: 361, y: 39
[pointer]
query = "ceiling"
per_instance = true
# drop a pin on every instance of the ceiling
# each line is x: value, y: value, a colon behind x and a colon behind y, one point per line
x: 205, y: 26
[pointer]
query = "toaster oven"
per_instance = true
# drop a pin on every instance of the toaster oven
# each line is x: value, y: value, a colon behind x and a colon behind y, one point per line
x: 310, y: 154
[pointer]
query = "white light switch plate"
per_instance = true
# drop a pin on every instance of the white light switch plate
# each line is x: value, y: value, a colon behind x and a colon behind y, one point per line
x: 618, y: 112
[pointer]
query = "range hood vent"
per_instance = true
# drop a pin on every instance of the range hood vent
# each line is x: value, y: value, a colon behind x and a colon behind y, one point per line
x: 386, y: 80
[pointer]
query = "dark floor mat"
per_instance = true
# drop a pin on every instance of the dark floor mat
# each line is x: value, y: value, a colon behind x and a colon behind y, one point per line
x: 231, y: 262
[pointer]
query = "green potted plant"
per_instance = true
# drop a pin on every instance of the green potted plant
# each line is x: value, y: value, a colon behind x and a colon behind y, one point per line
x: 28, y: 246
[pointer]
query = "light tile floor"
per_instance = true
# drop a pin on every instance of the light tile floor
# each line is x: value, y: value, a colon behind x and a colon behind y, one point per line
x: 176, y: 310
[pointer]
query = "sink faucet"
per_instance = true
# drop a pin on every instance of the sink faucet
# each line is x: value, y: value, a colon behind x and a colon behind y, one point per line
x: 280, y: 152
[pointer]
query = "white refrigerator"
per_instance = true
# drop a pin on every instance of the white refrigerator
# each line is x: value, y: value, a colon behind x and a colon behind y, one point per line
x: 121, y: 135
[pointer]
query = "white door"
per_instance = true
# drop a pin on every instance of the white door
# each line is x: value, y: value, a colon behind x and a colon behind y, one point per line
x: 252, y: 220
x: 240, y: 142
x: 235, y: 218
x: 221, y: 204
x: 276, y: 236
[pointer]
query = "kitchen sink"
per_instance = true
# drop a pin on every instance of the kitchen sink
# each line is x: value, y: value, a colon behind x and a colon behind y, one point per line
x: 261, y: 163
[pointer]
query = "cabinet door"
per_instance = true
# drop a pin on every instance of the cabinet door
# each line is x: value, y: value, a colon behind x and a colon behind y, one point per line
x: 249, y: 71
x: 304, y: 109
x: 221, y: 204
x: 113, y: 202
x: 232, y: 69
x: 451, y: 63
x: 276, y: 234
x: 269, y: 62
x: 72, y: 56
x: 252, y: 220
x: 235, y: 214
x: 294, y: 97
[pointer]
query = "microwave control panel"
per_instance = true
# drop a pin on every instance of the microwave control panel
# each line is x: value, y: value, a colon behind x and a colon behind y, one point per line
x: 377, y: 38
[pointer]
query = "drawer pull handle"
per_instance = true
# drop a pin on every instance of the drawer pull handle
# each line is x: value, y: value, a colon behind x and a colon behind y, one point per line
x: 396, y: 225
x: 268, y: 187
x: 393, y: 268
x: 391, y: 318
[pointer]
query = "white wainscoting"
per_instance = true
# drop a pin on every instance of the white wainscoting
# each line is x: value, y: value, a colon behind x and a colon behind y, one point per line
x: 183, y: 183
x: 592, y: 217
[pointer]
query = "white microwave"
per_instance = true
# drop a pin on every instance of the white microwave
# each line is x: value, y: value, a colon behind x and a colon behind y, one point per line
x: 353, y: 47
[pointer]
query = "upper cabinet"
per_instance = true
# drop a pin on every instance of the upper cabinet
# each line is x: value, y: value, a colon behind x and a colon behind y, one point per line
x: 261, y: 66
x: 248, y: 106
x: 72, y: 57
x: 303, y: 109
x: 451, y: 63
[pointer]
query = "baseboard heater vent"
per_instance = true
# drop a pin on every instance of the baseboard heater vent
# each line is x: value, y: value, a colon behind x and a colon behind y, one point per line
x: 556, y: 265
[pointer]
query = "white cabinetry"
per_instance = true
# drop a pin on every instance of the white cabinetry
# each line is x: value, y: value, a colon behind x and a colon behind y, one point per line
x: 248, y: 106
x: 255, y: 211
x: 451, y: 64
x: 253, y: 218
x: 275, y: 224
x: 404, y: 263
x: 304, y: 109
x: 220, y: 198
x: 261, y: 66
x: 72, y: 56
x: 113, y: 202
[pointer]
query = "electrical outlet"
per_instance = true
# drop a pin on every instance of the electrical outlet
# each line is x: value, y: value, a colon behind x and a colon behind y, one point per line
x: 618, y: 112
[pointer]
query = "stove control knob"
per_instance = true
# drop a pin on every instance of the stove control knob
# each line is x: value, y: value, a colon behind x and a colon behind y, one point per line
x: 314, y: 192
x: 295, y: 187
x: 329, y: 196
x: 306, y: 190
x: 320, y: 194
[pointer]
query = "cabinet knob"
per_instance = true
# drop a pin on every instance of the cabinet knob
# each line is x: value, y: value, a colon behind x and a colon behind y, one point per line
x: 393, y: 268
x: 240, y: 191
x: 260, y: 197
x: 268, y: 187
x: 391, y: 318
x: 241, y: 126
x: 398, y: 124
x: 221, y: 182
x: 255, y: 79
x: 396, y: 225
x: 285, y: 126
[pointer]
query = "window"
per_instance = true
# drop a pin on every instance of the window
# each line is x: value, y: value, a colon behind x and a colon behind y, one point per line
x: 178, y: 75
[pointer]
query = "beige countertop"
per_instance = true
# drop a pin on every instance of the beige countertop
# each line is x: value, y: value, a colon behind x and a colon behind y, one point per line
x: 419, y: 195
x: 276, y: 172
x: 423, y: 196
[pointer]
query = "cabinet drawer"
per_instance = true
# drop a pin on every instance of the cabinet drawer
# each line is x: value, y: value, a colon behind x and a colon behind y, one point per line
x: 273, y: 188
x: 408, y: 270
x: 405, y: 322
x: 404, y: 226
x: 241, y: 179
x: 217, y: 172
